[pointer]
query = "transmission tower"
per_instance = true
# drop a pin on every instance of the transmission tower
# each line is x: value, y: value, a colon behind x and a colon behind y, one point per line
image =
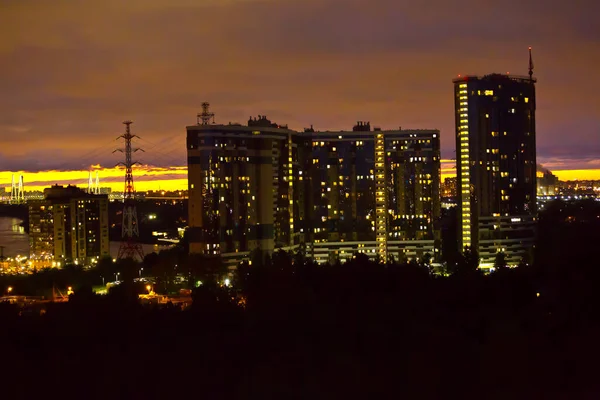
x: 97, y: 184
x: 130, y: 247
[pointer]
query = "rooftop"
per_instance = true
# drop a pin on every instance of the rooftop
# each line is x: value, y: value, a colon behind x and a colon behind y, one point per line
x: 494, y: 76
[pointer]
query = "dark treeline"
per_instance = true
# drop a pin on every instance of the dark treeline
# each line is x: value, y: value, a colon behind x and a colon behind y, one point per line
x: 288, y: 328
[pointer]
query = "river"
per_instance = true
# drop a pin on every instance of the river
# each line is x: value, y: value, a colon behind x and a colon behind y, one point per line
x: 16, y: 241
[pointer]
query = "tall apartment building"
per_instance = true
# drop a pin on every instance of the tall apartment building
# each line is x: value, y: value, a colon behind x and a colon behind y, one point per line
x: 264, y: 186
x: 241, y: 187
x: 69, y: 225
x: 496, y: 165
x: 372, y: 191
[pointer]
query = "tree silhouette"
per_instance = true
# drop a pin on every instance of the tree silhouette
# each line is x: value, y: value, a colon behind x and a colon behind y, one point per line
x: 150, y: 260
x: 128, y: 269
x: 282, y: 259
x: 106, y: 269
x: 426, y: 260
x: 500, y: 261
x: 300, y: 255
x: 468, y: 262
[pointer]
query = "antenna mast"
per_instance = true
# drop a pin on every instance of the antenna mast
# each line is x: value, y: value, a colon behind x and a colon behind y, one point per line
x: 130, y: 247
x: 530, y: 65
x: 206, y: 115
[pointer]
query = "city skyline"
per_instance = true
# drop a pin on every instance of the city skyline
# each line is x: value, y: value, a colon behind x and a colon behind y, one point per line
x: 175, y: 178
x: 69, y: 80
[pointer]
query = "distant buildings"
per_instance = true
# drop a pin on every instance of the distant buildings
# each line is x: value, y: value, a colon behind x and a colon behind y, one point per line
x: 69, y: 225
x: 449, y: 192
x: 264, y: 187
x: 496, y: 165
x: 547, y: 183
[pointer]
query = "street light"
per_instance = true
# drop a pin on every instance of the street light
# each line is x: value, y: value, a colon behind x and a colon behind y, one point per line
x: 9, y: 289
x: 149, y: 288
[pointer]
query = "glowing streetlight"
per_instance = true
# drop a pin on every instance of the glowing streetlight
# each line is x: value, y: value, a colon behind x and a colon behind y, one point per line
x: 148, y: 288
x: 9, y: 289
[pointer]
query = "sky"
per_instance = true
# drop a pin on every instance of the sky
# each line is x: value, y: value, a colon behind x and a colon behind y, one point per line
x: 72, y: 71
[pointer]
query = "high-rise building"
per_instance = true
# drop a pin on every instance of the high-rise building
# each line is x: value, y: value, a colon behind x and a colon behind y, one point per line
x: 264, y: 186
x: 69, y: 225
x: 496, y: 165
x: 241, y: 187
x: 41, y: 230
x: 372, y: 191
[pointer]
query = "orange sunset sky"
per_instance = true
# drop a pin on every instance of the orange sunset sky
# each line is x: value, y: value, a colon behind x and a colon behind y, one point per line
x: 175, y: 178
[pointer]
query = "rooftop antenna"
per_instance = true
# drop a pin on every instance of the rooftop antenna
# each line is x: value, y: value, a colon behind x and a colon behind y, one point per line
x: 530, y: 65
x: 97, y: 185
x: 206, y: 115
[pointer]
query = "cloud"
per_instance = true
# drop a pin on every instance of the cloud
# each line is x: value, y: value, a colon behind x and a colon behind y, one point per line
x: 72, y: 71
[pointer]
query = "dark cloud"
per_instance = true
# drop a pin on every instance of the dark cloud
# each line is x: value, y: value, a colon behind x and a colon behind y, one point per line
x: 72, y: 71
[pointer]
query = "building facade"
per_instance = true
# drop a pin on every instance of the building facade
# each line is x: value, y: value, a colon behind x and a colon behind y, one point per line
x: 264, y: 187
x: 69, y: 225
x: 241, y: 187
x: 496, y: 165
x: 372, y: 191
